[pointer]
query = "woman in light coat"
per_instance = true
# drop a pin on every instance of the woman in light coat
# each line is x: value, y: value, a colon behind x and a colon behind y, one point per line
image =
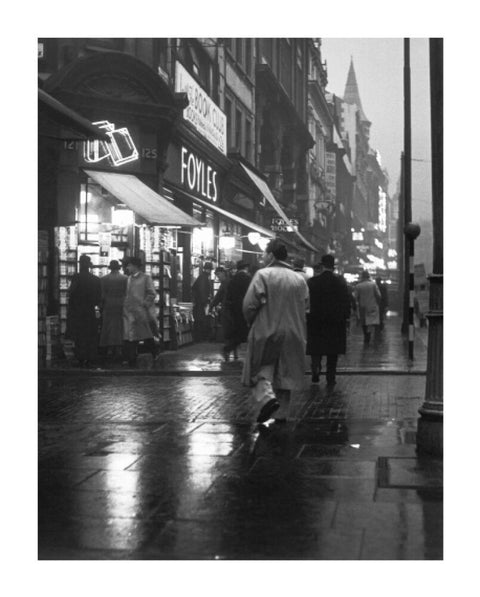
x: 368, y: 300
x: 275, y: 308
x: 138, y: 311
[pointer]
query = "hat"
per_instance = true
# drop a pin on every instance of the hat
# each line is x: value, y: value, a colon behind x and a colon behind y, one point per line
x: 114, y: 265
x: 207, y: 265
x: 328, y: 261
x: 135, y: 261
x: 242, y: 264
x: 85, y: 260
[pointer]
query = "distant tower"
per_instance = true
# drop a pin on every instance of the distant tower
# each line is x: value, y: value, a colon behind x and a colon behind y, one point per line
x: 352, y: 96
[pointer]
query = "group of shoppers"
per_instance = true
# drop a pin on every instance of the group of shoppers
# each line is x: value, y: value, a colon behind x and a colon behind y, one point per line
x: 124, y: 304
x: 280, y: 313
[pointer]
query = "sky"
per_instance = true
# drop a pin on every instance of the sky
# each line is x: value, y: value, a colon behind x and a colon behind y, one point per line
x: 379, y: 64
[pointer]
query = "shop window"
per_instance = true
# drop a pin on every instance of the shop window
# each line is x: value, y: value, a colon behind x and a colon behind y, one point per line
x: 238, y: 130
x: 248, y: 56
x: 248, y: 139
x: 229, y: 115
x: 239, y: 50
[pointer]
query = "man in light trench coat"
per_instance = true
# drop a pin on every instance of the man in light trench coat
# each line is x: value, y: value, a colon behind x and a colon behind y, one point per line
x: 275, y: 308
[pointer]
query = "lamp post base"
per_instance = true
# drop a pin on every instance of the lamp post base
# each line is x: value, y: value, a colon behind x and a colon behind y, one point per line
x: 430, y: 435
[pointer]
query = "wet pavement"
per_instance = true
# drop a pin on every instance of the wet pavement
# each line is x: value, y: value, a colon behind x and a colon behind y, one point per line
x: 388, y: 353
x: 173, y: 467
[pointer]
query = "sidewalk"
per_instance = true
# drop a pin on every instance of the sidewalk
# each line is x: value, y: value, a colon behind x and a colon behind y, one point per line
x: 157, y: 467
x: 389, y: 354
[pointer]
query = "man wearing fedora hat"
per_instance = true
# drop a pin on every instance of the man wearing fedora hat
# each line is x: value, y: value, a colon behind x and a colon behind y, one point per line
x: 82, y: 324
x: 114, y: 288
x: 327, y: 319
x: 236, y: 328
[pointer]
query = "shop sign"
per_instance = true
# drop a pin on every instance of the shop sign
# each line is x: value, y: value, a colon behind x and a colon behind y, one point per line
x: 331, y: 172
x: 120, y: 150
x: 201, y: 111
x: 279, y: 225
x: 382, y: 209
x: 197, y: 176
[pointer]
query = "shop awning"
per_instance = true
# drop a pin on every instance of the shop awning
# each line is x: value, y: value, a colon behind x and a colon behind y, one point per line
x: 141, y: 199
x: 227, y: 214
x: 69, y: 118
x: 267, y: 193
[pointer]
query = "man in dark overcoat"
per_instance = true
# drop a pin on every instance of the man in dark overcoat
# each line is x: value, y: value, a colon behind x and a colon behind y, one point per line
x: 236, y: 329
x: 327, y: 320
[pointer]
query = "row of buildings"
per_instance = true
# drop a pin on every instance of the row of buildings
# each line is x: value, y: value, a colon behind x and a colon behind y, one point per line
x: 201, y: 149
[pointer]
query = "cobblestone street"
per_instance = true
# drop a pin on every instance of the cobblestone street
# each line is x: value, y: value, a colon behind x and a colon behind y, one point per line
x: 173, y: 467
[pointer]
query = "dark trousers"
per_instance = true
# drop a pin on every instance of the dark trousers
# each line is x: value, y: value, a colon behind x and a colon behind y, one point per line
x: 131, y: 349
x: 331, y: 365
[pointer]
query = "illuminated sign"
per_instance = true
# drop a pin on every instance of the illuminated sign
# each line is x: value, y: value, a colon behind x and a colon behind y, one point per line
x: 279, y: 225
x: 120, y: 149
x: 198, y: 176
x: 331, y: 172
x: 382, y: 209
x: 201, y: 111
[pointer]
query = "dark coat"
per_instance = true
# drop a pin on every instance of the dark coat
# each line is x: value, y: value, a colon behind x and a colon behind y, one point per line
x: 236, y: 328
x: 329, y: 311
x: 114, y: 289
x: 82, y: 325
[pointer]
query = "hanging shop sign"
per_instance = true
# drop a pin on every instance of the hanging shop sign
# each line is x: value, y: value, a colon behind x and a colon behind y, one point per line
x: 201, y: 111
x: 198, y: 176
x: 331, y: 172
x: 279, y: 225
x: 120, y: 149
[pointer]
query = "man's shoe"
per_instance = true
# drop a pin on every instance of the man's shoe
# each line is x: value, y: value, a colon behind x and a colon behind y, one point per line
x: 267, y: 410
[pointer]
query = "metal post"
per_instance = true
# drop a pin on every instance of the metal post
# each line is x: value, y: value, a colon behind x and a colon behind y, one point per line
x: 430, y: 424
x: 407, y: 179
x: 411, y: 233
x: 400, y: 241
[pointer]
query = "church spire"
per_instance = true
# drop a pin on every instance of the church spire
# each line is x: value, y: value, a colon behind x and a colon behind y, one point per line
x: 352, y: 94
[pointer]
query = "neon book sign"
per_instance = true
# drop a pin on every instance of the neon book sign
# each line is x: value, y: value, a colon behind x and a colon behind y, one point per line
x: 120, y: 149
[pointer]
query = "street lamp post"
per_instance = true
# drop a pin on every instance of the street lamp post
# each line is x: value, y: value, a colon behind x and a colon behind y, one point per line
x: 430, y: 423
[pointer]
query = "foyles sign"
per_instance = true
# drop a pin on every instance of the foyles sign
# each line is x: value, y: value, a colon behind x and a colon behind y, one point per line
x: 197, y: 176
x: 202, y: 112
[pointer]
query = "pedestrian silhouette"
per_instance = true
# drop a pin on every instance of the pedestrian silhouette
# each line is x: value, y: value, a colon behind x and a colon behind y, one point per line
x: 275, y: 306
x: 368, y: 299
x: 84, y: 295
x: 139, y: 312
x: 235, y: 325
x: 327, y: 319
x: 114, y: 288
x: 383, y: 306
x: 201, y: 295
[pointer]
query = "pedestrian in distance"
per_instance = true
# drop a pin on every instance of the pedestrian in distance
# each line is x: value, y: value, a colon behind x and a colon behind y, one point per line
x: 217, y: 305
x: 368, y: 299
x: 235, y: 325
x: 327, y: 320
x: 383, y: 306
x: 84, y: 298
x: 201, y: 296
x: 274, y: 306
x: 114, y: 289
x: 299, y: 266
x: 139, y: 321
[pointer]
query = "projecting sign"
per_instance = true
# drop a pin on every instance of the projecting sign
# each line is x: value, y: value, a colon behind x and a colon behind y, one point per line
x: 331, y: 172
x: 201, y: 111
x: 120, y: 150
x: 279, y: 225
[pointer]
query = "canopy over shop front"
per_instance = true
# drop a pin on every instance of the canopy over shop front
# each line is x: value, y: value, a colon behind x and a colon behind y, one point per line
x: 141, y: 199
x: 239, y: 219
x: 267, y: 193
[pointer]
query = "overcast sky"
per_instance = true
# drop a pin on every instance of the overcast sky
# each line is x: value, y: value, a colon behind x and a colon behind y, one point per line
x: 378, y: 66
